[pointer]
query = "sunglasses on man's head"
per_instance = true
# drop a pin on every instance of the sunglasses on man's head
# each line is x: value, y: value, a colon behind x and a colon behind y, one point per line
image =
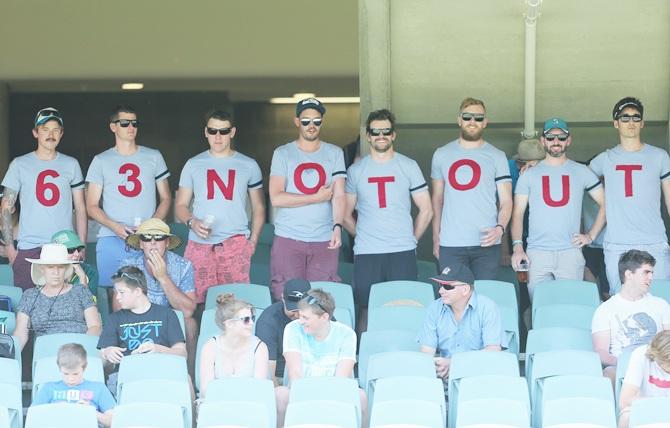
x: 314, y: 301
x: 72, y: 250
x: 552, y: 137
x: 628, y: 117
x: 478, y: 117
x: 148, y: 238
x: 124, y: 123
x: 245, y: 320
x: 316, y: 122
x: 375, y: 132
x: 222, y: 131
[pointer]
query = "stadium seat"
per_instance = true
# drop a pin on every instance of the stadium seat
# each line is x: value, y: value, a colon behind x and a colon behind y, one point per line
x: 147, y: 415
x: 397, y: 363
x: 343, y: 295
x: 493, y: 412
x: 180, y: 317
x: 134, y: 368
x: 232, y: 414
x: 559, y: 363
x: 661, y: 288
x: 48, y: 345
x: 321, y: 412
x: 407, y: 292
x: 344, y: 316
x: 14, y: 293
x: 62, y: 415
x: 578, y: 410
x: 554, y: 339
x: 327, y: 388
x: 621, y: 368
x: 373, y: 342
x: 256, y: 295
x: 510, y: 323
x: 235, y: 389
x: 181, y: 230
x: 10, y: 371
x: 409, y: 318
x: 10, y: 391
x: 564, y: 315
x: 415, y: 413
x: 7, y: 322
x: 5, y: 420
x: 565, y: 291
x: 46, y: 370
x: 650, y: 411
x: 160, y: 391
x: 6, y: 275
x: 568, y: 386
x: 477, y: 363
x: 503, y: 293
x: 411, y: 388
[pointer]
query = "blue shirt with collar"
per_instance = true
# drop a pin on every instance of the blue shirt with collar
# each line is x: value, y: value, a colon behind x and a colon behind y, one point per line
x: 480, y: 326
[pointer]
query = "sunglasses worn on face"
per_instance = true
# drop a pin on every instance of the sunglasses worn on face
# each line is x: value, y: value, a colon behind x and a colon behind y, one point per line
x: 222, y: 131
x: 375, y: 132
x: 552, y: 137
x: 306, y: 122
x: 478, y: 117
x: 449, y: 287
x: 628, y: 117
x: 124, y: 123
x: 149, y: 238
x: 245, y: 320
x: 72, y: 250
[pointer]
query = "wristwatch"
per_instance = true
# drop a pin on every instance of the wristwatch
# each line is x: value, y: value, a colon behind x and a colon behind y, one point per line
x: 189, y: 222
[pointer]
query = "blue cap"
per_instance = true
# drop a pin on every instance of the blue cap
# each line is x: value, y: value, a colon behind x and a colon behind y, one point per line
x: 47, y: 114
x: 556, y: 123
x: 307, y: 103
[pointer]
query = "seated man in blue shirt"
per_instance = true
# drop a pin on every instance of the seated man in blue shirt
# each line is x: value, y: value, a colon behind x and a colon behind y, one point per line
x: 460, y: 320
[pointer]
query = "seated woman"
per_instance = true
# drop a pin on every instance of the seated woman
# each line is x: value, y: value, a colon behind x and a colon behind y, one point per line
x: 236, y: 351
x: 648, y: 374
x: 54, y: 305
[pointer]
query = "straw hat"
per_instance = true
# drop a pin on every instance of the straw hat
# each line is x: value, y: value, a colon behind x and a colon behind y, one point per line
x: 153, y: 226
x: 51, y: 254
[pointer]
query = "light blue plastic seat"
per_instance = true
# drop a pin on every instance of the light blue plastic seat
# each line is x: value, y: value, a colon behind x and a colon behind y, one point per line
x: 578, y: 410
x: 6, y: 275
x: 8, y: 322
x: 407, y: 412
x: 409, y: 318
x: 321, y: 412
x: 234, y: 414
x: 573, y: 386
x: 621, y: 367
x: 503, y: 293
x: 373, y: 342
x: 411, y: 388
x: 48, y: 345
x: 147, y: 415
x: 343, y: 295
x: 327, y: 388
x: 493, y: 412
x: 62, y: 415
x: 564, y: 315
x: 256, y: 295
x: 648, y: 411
x: 9, y: 290
x: 397, y: 363
x: 555, y: 339
x: 160, y: 391
x: 46, y: 370
x: 149, y: 366
x: 510, y: 323
x: 565, y: 291
x: 235, y: 389
x: 11, y: 398
x: 10, y: 371
x: 661, y: 288
x: 383, y: 293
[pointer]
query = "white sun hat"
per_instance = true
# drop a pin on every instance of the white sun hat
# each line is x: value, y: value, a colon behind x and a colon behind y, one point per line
x: 51, y: 254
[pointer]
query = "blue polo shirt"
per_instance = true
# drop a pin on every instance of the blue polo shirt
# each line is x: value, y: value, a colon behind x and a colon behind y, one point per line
x: 479, y: 327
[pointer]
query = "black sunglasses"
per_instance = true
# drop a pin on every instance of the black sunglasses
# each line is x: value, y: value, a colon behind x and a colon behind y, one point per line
x: 450, y: 287
x: 478, y: 117
x: 375, y: 132
x: 628, y: 117
x: 306, y: 122
x: 314, y: 301
x: 148, y: 238
x: 72, y: 250
x: 222, y: 131
x: 124, y: 123
x: 552, y: 137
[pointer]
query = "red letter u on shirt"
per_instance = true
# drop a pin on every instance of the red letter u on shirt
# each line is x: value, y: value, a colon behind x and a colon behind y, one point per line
x: 546, y: 193
x: 213, y: 178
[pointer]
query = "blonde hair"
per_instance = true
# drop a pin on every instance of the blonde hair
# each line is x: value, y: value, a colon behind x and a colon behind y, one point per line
x: 471, y: 102
x: 659, y: 348
x: 71, y: 356
x: 319, y: 301
x: 226, y: 308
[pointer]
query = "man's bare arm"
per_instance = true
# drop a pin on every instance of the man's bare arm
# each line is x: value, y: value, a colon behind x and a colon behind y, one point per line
x: 6, y: 223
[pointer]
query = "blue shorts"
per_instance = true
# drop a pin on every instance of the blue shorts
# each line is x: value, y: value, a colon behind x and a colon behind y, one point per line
x: 110, y: 251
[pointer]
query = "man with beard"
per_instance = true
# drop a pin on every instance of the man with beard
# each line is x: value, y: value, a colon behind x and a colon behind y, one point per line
x: 48, y: 184
x: 307, y: 188
x: 380, y: 187
x: 635, y: 173
x: 468, y: 174
x: 554, y: 189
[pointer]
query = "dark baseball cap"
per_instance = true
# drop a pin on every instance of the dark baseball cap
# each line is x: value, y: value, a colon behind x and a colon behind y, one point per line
x: 307, y: 103
x: 458, y: 273
x: 294, y: 291
x: 624, y: 103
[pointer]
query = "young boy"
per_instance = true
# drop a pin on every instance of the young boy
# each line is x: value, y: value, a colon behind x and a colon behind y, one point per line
x: 73, y: 388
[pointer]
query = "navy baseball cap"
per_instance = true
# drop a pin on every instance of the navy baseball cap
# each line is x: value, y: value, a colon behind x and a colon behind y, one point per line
x: 294, y: 291
x: 627, y: 102
x: 47, y: 114
x: 458, y: 273
x: 312, y: 103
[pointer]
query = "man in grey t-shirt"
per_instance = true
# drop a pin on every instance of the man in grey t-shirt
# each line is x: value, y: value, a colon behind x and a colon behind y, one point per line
x: 48, y: 185
x: 554, y: 191
x: 307, y: 188
x: 634, y: 173
x: 472, y: 196
x: 122, y: 185
x: 381, y: 188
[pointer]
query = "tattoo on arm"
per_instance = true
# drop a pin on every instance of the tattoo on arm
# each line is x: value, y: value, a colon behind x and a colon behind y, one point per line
x: 6, y: 224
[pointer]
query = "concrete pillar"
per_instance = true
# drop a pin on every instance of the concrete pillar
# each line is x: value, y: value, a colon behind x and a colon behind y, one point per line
x: 4, y: 127
x: 374, y: 50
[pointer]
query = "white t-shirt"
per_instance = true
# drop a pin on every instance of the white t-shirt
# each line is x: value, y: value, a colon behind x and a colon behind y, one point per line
x: 631, y: 323
x: 652, y: 380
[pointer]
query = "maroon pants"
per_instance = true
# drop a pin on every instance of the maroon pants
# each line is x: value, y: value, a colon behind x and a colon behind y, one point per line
x: 21, y: 267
